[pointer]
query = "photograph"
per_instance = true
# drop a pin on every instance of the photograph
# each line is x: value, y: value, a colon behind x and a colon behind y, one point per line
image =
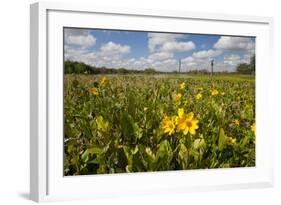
x: 149, y: 101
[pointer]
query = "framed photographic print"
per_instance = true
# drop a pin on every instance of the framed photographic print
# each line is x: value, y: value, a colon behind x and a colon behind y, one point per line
x: 127, y: 102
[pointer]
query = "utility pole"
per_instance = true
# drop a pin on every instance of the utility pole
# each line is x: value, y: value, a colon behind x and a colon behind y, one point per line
x: 179, y: 65
x: 212, y: 67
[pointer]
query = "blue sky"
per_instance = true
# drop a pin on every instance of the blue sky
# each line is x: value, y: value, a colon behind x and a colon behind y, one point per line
x: 162, y: 51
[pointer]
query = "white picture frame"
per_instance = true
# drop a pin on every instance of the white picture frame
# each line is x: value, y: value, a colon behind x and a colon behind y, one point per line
x: 47, y: 182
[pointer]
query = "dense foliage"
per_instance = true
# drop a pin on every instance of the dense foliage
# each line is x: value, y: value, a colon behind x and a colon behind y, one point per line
x: 118, y: 124
x: 247, y: 68
x: 73, y: 67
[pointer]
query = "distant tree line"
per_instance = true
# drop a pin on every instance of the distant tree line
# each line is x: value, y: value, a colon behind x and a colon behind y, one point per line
x: 82, y: 68
x: 247, y: 68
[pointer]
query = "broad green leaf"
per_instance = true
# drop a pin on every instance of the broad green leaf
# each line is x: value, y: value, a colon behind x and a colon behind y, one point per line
x: 183, y: 153
x: 95, y: 150
x: 222, y: 139
x: 85, y: 156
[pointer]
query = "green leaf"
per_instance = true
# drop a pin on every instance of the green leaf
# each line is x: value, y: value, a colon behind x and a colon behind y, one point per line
x: 95, y: 150
x: 222, y: 139
x: 85, y: 156
x: 94, y: 161
x: 127, y: 125
x: 165, y: 153
x: 199, y: 143
x: 134, y: 150
x: 183, y: 153
x: 195, y: 154
x: 151, y: 155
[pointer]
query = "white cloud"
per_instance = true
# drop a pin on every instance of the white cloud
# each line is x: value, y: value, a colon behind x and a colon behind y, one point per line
x: 112, y: 48
x: 188, y: 61
x: 199, y: 60
x: 247, y: 57
x: 234, y: 43
x: 207, y: 54
x: 166, y: 42
x: 232, y: 59
x: 83, y: 41
x: 160, y: 56
x: 157, y: 39
x: 178, y: 46
x: 109, y: 55
x: 79, y: 37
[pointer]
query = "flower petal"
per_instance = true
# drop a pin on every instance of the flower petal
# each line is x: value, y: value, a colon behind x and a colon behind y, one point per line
x: 190, y: 115
x: 192, y: 131
x: 185, y: 131
x: 180, y: 112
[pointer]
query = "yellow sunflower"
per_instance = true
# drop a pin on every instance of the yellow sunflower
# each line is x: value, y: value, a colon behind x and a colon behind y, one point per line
x: 182, y: 85
x: 94, y: 91
x: 214, y: 92
x: 186, y: 122
x: 178, y: 96
x: 198, y: 96
x: 103, y: 81
x: 169, y: 125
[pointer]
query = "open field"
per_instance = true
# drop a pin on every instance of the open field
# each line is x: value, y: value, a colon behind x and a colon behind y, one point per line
x: 138, y: 123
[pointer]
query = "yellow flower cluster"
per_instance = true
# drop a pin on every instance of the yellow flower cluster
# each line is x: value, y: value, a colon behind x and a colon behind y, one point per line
x: 185, y: 123
x: 236, y: 122
x: 94, y: 91
x: 230, y: 141
x: 182, y: 85
x: 253, y: 128
x: 214, y: 92
x: 103, y: 81
x: 198, y: 96
x: 178, y: 96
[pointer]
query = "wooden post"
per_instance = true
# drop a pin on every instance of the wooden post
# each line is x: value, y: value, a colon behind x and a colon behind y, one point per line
x: 179, y: 65
x: 212, y: 67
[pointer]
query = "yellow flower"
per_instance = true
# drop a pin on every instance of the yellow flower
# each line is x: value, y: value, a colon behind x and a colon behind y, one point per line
x: 169, y: 125
x: 200, y: 88
x: 95, y: 91
x: 236, y: 122
x: 103, y: 80
x: 198, y: 96
x: 182, y: 85
x: 102, y: 124
x: 186, y: 122
x: 214, y: 92
x: 178, y: 96
x: 180, y: 112
x: 253, y: 127
x: 230, y: 141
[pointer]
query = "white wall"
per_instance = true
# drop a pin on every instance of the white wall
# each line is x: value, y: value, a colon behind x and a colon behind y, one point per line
x: 14, y: 101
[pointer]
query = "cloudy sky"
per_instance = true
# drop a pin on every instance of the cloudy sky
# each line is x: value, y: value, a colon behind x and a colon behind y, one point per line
x: 162, y: 51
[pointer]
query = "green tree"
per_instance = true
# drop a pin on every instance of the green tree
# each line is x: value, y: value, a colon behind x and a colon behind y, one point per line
x: 245, y: 68
x: 253, y: 63
x: 149, y: 71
